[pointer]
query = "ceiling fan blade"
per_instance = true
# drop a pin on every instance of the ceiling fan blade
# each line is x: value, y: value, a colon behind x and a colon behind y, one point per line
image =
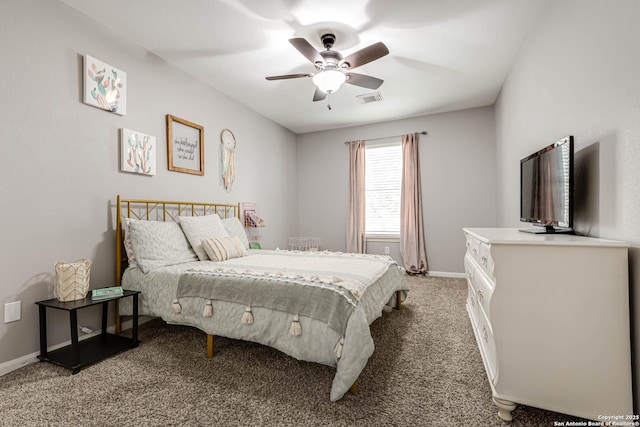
x: 319, y: 95
x: 305, y: 48
x: 366, y: 55
x: 289, y: 76
x: 363, y: 80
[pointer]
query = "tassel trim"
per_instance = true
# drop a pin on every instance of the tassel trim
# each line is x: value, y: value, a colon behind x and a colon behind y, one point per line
x: 208, y: 309
x: 247, y: 317
x: 295, y: 329
x: 338, y: 348
x: 176, y: 307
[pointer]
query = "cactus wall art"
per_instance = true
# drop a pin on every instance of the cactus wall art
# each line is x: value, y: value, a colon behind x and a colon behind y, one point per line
x: 105, y: 86
x: 138, y: 152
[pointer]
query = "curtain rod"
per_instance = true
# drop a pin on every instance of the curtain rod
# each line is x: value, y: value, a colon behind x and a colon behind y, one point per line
x: 423, y: 132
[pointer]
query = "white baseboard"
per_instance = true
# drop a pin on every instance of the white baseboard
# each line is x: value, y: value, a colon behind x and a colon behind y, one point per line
x: 18, y: 363
x: 447, y: 274
x: 28, y: 359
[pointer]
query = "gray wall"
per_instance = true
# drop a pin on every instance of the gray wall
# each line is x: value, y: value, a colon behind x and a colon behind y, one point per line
x: 579, y: 73
x: 60, y: 158
x: 458, y: 180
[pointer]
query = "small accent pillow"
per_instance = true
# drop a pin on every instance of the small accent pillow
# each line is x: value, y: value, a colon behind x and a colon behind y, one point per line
x: 126, y: 242
x: 235, y: 228
x: 198, y: 228
x: 158, y: 244
x: 224, y: 248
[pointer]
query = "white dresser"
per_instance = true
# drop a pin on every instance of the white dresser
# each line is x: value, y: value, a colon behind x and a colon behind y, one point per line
x: 551, y: 318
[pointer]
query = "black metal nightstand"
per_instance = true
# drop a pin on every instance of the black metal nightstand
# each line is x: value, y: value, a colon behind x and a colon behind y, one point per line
x: 82, y: 353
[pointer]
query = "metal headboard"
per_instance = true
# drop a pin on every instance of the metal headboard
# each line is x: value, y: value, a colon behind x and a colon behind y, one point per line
x: 161, y: 210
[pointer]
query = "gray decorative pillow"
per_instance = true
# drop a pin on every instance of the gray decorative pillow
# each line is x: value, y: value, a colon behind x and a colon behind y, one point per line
x: 235, y: 228
x: 158, y: 244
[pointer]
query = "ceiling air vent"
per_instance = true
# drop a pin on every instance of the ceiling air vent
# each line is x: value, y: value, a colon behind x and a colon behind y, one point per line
x: 369, y: 97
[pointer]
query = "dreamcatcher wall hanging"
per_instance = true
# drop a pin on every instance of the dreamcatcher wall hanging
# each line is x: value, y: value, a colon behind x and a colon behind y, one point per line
x: 227, y: 154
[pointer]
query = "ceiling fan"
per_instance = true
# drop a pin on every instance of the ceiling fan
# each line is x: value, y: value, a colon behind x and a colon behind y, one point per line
x: 332, y: 69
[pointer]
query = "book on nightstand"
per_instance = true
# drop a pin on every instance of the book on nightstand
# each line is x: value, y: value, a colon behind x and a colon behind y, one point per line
x: 104, y: 293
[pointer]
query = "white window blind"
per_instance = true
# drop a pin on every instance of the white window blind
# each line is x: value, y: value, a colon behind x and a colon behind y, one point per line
x: 383, y: 170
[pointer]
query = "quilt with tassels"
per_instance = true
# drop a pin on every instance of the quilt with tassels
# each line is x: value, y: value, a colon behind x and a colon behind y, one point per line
x: 325, y: 286
x: 354, y: 290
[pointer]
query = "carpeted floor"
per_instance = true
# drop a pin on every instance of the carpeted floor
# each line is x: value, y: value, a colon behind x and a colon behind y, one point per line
x: 426, y: 371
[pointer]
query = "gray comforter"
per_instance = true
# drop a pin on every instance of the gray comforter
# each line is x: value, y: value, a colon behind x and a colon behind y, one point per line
x: 334, y: 296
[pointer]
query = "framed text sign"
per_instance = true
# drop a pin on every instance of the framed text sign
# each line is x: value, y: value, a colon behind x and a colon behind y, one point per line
x: 185, y: 146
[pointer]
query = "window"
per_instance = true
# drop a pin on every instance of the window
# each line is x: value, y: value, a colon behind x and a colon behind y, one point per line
x: 383, y: 171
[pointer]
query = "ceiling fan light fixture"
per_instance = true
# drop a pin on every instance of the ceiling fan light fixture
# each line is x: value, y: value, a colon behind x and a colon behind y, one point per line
x: 332, y: 70
x: 329, y: 81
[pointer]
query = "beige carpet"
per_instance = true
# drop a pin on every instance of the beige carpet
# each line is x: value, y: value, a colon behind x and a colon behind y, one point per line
x: 426, y: 371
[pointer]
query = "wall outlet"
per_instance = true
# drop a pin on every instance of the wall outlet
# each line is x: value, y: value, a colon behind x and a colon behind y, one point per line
x: 386, y: 250
x: 12, y: 311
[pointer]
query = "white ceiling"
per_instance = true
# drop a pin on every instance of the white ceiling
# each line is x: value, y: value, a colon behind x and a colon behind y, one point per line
x: 445, y: 55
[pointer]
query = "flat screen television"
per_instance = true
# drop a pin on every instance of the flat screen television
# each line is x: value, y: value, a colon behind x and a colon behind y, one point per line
x: 546, y: 188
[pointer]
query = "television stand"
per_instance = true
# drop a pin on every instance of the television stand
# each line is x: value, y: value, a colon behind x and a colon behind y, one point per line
x: 550, y: 314
x: 547, y: 229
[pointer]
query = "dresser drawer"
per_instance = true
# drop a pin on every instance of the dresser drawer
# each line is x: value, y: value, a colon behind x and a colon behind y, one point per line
x: 484, y: 288
x: 485, y: 259
x: 487, y: 346
x: 472, y: 304
x: 473, y: 247
x: 481, y: 252
x: 470, y: 266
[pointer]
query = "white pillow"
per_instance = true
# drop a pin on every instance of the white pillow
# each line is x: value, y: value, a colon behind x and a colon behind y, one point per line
x: 235, y: 228
x: 157, y: 244
x: 223, y: 248
x: 198, y: 228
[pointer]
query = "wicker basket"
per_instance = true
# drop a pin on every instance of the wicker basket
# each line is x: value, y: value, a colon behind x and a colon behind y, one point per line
x: 72, y: 279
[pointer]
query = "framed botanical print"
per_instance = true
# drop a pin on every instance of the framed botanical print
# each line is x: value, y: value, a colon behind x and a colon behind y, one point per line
x: 105, y: 86
x: 138, y: 152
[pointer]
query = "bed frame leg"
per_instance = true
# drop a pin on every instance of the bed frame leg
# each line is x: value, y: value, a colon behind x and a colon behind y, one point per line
x: 399, y: 300
x: 354, y: 388
x: 210, y: 339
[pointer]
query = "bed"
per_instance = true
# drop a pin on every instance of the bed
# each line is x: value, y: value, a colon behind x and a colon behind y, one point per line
x: 313, y: 306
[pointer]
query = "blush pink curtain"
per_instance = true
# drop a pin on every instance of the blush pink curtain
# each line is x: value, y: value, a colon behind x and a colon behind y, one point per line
x: 412, y: 245
x: 356, y: 215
